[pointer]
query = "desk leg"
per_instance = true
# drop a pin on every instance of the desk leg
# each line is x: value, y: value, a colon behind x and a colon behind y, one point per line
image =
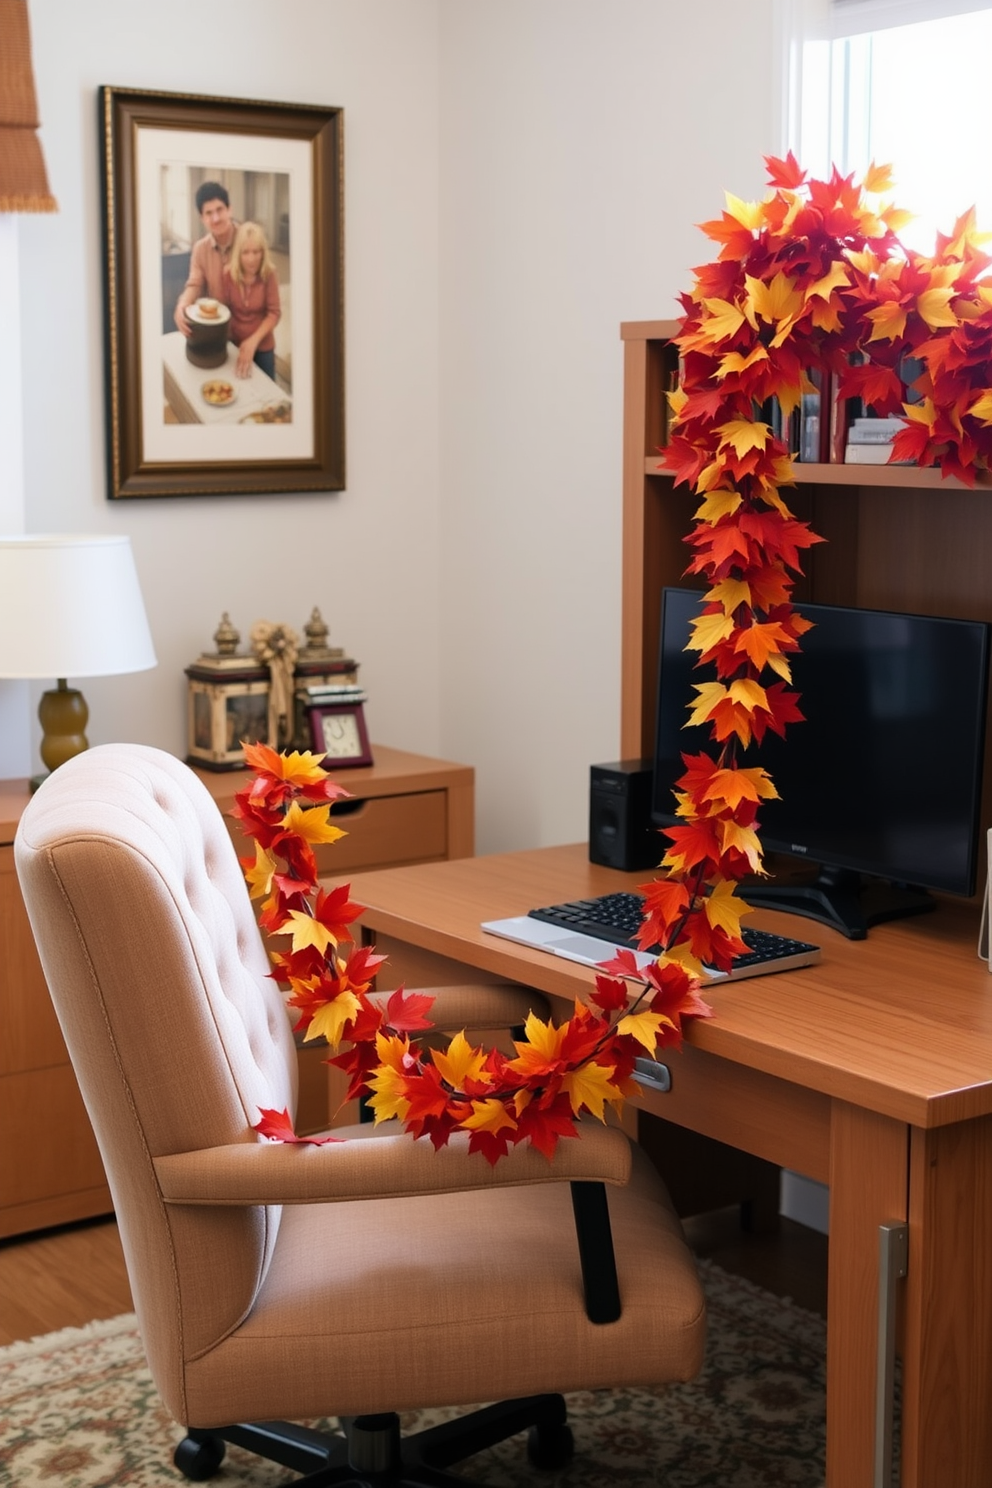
x: 947, y: 1359
x: 868, y: 1187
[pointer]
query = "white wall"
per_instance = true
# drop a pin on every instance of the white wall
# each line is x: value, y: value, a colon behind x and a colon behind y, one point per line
x: 521, y: 175
x: 368, y: 556
x: 580, y: 142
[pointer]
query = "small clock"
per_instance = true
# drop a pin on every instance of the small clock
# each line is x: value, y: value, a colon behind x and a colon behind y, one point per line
x: 338, y: 731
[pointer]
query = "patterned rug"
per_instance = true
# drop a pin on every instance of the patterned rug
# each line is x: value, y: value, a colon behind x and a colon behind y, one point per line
x: 78, y: 1410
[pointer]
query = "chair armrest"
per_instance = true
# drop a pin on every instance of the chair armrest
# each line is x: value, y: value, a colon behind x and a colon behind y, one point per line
x: 479, y: 1005
x: 387, y: 1166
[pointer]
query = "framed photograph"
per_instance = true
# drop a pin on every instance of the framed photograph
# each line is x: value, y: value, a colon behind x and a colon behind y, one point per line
x: 224, y: 295
x: 338, y: 731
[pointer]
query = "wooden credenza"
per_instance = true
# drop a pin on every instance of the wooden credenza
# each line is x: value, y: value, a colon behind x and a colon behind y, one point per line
x: 406, y: 808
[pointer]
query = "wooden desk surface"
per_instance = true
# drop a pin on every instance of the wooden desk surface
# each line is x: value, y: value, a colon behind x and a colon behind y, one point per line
x: 899, y: 1024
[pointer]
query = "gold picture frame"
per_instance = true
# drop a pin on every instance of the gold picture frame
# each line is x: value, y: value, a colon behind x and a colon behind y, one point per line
x: 282, y: 166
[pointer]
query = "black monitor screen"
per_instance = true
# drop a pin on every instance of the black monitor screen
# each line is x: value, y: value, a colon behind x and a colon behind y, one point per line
x: 884, y: 776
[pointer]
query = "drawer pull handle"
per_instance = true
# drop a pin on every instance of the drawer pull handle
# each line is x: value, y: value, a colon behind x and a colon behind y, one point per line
x: 347, y: 808
x: 653, y: 1073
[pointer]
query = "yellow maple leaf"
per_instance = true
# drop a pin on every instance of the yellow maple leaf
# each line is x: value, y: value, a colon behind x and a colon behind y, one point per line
x: 878, y: 178
x: 709, y: 630
x: 982, y: 407
x: 789, y: 398
x: 330, y: 1020
x: 731, y: 593
x: 896, y: 220
x: 712, y: 476
x: 460, y: 1062
x: 777, y: 302
x: 744, y: 839
x: 735, y: 361
x: 770, y: 496
x: 888, y: 320
x: 748, y: 693
x: 681, y: 955
x: 489, y: 1115
x: 546, y: 1038
x: 734, y: 785
x: 721, y: 502
x: 724, y: 910
x: 836, y: 277
x: 388, y: 1098
x: 865, y: 261
x: 826, y: 316
x: 921, y: 413
x: 743, y: 435
x: 644, y: 1027
x: 306, y: 931
x: 748, y: 214
x: 723, y: 320
x: 259, y: 875
x: 591, y: 1086
x: 677, y: 400
x: 311, y: 823
x: 935, y: 308
x: 710, y: 695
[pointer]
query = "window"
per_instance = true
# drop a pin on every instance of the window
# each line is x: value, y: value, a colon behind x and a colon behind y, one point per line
x: 900, y: 82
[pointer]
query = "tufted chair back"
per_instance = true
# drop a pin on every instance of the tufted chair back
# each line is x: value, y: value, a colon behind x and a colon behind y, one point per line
x: 131, y: 879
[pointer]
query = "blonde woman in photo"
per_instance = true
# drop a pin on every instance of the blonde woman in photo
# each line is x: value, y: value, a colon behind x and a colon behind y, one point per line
x: 251, y: 293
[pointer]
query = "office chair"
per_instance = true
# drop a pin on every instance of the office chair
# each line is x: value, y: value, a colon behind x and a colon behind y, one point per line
x: 277, y: 1283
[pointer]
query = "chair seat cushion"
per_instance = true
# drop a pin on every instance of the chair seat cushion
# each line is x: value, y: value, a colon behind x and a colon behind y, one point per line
x: 395, y: 1304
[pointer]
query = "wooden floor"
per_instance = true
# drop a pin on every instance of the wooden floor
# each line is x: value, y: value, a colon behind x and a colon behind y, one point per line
x: 64, y: 1278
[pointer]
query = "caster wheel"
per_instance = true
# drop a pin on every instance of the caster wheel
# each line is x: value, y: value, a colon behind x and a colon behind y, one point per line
x: 551, y: 1447
x: 199, y: 1460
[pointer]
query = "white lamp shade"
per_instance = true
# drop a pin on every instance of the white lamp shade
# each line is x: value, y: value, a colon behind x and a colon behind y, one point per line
x: 71, y: 606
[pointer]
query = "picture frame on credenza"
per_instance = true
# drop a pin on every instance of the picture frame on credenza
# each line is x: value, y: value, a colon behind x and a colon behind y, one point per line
x: 184, y: 416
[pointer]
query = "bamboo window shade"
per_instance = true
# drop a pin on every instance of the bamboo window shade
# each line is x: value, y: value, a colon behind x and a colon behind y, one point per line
x: 23, y: 181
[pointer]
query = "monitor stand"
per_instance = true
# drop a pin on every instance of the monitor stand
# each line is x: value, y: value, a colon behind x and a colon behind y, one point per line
x: 840, y: 898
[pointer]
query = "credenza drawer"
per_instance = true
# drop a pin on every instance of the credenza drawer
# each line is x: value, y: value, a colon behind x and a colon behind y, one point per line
x: 48, y: 1145
x: 386, y: 831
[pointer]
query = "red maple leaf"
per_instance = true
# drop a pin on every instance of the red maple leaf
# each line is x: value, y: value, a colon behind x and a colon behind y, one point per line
x: 787, y: 172
x: 405, y: 1011
x: 278, y: 1126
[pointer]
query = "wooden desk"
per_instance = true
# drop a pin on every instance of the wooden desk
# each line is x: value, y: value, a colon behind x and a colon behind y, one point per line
x: 406, y: 808
x: 871, y: 1071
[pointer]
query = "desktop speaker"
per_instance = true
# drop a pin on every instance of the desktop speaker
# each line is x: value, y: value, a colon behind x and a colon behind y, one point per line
x: 620, y: 831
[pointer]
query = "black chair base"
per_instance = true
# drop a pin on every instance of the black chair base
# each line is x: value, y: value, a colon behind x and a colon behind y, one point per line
x: 373, y: 1454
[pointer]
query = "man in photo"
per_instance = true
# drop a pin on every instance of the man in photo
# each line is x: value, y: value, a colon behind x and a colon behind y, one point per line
x: 211, y: 253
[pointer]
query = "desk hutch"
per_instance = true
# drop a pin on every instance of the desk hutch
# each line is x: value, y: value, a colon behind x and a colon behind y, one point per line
x: 897, y: 538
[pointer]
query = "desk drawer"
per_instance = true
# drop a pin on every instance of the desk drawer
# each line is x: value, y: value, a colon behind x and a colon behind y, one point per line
x: 783, y: 1123
x: 386, y: 831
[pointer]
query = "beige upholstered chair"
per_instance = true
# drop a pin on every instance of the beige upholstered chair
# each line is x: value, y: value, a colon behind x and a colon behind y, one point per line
x: 358, y: 1279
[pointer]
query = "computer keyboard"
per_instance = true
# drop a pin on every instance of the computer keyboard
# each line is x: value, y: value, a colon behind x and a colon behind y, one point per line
x: 617, y: 917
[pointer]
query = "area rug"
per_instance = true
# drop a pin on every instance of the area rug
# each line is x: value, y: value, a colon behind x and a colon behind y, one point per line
x: 78, y: 1410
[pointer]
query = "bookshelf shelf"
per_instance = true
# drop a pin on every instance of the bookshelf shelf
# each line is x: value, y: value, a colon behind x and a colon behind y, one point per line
x: 909, y: 477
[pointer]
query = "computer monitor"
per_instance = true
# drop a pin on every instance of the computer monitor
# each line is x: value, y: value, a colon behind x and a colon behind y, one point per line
x: 881, y: 785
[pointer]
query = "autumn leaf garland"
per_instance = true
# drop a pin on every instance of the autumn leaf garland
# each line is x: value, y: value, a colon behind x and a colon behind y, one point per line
x: 557, y: 1072
x: 813, y: 278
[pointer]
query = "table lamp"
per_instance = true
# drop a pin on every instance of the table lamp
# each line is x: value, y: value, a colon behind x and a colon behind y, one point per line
x: 70, y: 605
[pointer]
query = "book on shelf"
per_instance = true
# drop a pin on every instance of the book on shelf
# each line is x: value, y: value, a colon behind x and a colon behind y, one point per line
x: 814, y: 420
x: 871, y: 454
x: 875, y: 430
